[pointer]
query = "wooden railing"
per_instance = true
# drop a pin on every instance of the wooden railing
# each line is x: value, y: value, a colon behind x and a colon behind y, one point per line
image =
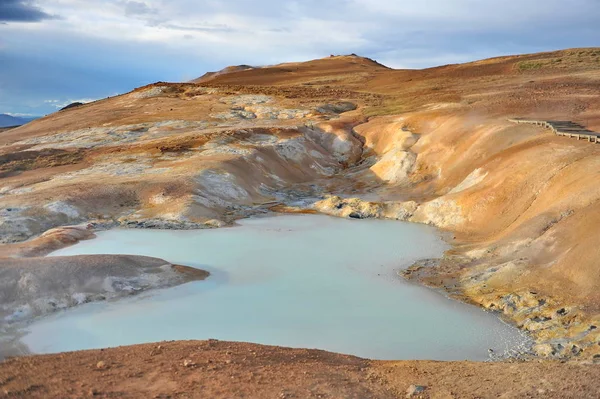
x: 564, y: 128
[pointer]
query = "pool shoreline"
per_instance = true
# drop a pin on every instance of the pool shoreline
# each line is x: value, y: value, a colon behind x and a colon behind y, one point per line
x: 393, y: 270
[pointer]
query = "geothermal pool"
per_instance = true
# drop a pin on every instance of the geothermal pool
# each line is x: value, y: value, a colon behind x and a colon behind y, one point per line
x: 292, y: 280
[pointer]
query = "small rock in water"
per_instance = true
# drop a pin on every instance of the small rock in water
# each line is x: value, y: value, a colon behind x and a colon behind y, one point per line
x: 415, y: 390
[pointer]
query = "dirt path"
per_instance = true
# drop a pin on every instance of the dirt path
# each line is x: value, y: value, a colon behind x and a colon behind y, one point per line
x: 215, y: 369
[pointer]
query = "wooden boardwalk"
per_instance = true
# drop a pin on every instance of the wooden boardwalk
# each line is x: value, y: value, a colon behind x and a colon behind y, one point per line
x: 564, y: 128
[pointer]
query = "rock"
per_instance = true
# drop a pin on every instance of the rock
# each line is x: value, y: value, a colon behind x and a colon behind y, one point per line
x: 562, y: 311
x: 545, y: 350
x: 399, y: 210
x: 214, y: 223
x: 161, y: 224
x: 351, y: 207
x: 188, y: 363
x: 235, y: 114
x: 150, y: 92
x: 72, y: 105
x: 336, y: 108
x: 395, y: 166
x: 415, y: 390
x: 100, y: 365
x: 440, y: 212
x: 246, y: 99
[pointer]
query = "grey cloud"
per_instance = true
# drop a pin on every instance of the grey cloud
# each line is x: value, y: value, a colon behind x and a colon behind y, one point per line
x: 136, y: 8
x: 199, y: 28
x: 142, y: 11
x: 154, y: 18
x: 21, y: 11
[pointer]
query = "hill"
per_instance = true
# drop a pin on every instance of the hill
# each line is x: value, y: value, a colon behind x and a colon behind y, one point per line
x: 9, y: 120
x: 319, y: 71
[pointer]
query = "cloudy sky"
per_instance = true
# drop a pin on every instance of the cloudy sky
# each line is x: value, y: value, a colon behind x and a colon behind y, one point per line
x: 53, y: 52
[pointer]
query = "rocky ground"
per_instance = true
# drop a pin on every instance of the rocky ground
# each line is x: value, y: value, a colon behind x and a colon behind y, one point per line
x: 213, y: 369
x: 347, y: 137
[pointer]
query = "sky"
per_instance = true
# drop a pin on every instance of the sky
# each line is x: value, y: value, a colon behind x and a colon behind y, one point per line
x: 54, y: 52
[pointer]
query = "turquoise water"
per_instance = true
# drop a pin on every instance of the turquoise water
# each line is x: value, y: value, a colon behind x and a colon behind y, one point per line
x: 293, y: 280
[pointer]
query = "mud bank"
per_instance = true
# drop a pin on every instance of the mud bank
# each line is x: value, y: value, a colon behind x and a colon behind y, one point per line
x: 34, y: 287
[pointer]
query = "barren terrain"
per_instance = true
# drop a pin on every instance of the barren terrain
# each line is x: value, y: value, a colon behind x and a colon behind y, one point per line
x: 215, y: 369
x: 349, y: 137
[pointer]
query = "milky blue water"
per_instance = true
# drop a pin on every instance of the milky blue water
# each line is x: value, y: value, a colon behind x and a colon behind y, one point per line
x: 292, y: 280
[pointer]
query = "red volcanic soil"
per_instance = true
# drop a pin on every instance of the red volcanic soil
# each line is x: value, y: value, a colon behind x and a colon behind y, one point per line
x: 215, y: 369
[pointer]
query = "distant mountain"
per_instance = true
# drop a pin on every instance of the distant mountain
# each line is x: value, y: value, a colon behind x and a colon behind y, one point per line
x: 9, y: 120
